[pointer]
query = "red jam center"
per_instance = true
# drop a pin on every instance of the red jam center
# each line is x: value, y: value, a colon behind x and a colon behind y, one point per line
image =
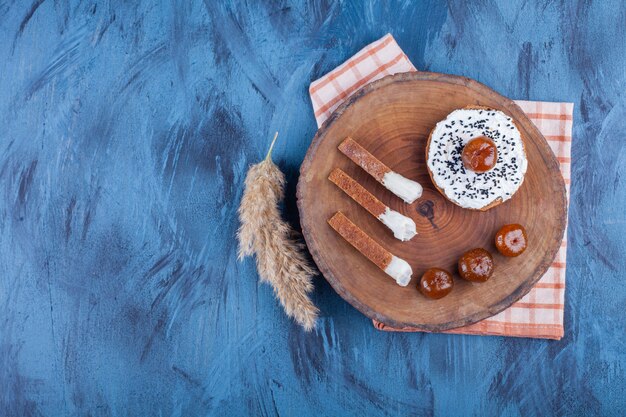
x: 480, y: 154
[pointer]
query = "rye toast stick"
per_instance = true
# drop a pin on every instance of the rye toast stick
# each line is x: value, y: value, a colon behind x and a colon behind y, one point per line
x: 395, y: 267
x: 404, y: 188
x: 403, y: 227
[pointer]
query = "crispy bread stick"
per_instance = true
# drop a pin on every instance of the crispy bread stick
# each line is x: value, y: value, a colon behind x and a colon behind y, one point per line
x: 404, y: 188
x: 403, y: 227
x: 395, y: 267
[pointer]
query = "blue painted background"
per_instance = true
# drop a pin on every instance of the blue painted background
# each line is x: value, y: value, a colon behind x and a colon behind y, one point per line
x: 125, y: 133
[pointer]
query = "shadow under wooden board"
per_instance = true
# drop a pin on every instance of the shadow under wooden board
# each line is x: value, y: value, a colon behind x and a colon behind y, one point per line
x: 392, y: 118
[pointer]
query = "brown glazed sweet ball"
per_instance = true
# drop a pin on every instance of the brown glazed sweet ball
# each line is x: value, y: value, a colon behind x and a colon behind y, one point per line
x: 480, y: 154
x: 511, y: 240
x: 436, y: 283
x: 476, y: 265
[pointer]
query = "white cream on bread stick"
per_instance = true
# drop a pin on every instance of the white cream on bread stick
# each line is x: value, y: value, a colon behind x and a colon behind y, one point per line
x: 395, y: 267
x: 403, y: 227
x: 400, y: 270
x: 408, y: 190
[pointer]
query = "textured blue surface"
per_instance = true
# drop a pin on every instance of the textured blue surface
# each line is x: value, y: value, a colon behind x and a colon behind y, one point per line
x: 125, y: 134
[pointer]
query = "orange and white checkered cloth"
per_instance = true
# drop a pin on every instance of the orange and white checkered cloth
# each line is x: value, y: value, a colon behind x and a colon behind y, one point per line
x: 539, y: 314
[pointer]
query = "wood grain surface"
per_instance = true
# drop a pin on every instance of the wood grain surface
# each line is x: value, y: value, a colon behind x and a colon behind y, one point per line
x: 393, y: 118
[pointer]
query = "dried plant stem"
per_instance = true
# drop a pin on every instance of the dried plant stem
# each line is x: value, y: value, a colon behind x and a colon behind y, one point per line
x: 279, y: 254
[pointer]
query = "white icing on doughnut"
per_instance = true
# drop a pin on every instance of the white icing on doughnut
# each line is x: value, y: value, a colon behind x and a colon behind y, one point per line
x: 467, y: 188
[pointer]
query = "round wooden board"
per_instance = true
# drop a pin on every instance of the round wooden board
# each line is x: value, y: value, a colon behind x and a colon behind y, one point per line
x: 392, y: 118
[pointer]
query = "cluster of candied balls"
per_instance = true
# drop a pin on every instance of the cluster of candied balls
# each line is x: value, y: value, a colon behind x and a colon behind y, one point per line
x: 475, y: 265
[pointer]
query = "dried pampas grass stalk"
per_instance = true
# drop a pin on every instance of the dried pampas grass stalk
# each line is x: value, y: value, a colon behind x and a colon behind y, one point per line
x: 279, y: 254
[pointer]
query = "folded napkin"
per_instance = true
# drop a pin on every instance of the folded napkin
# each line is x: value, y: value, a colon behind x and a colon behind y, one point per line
x: 539, y: 314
